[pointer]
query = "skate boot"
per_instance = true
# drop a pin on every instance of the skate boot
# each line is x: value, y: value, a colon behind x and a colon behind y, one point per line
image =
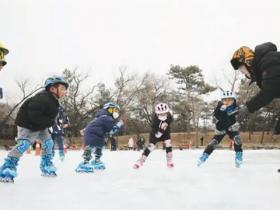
x: 47, y: 167
x: 98, y: 164
x: 9, y: 171
x: 61, y: 155
x: 85, y: 167
x: 238, y: 159
x: 202, y: 159
x: 170, y: 163
x: 139, y: 162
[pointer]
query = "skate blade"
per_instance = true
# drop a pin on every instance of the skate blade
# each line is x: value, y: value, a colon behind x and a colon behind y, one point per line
x: 6, y: 180
x: 170, y: 166
x: 49, y: 175
x: 84, y: 172
x: 136, y: 167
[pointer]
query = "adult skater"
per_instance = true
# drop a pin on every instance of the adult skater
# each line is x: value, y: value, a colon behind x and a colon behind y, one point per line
x: 263, y: 67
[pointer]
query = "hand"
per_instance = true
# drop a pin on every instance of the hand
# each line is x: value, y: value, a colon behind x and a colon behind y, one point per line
x: 82, y: 132
x: 164, y: 125
x: 243, y: 113
x: 65, y: 125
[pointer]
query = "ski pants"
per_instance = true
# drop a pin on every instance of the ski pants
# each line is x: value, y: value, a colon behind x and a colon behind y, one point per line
x: 219, y: 135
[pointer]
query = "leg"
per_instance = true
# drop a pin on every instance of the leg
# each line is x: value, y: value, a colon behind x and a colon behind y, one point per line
x: 8, y: 171
x: 60, y: 140
x: 46, y: 166
x: 144, y: 156
x: 168, y: 149
x: 237, y: 147
x: 219, y: 135
x: 85, y: 166
x: 97, y: 163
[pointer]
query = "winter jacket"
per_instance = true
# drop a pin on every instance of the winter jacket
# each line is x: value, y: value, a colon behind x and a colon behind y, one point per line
x: 224, y: 118
x: 266, y: 73
x: 94, y: 133
x: 157, y: 127
x: 38, y: 112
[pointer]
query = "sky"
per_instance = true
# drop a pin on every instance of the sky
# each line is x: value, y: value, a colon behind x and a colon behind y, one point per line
x: 98, y: 37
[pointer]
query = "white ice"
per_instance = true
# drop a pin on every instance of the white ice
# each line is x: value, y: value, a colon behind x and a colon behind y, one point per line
x: 216, y: 185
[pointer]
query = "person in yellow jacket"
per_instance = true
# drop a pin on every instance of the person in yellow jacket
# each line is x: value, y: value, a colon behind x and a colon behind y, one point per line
x: 3, y: 51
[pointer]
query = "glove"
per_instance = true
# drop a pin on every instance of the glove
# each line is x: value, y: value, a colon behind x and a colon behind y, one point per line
x: 158, y: 134
x: 243, y: 113
x: 223, y: 107
x: 164, y: 125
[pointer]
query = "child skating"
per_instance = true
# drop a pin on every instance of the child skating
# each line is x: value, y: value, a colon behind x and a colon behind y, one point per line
x: 225, y: 123
x: 160, y: 132
x: 34, y: 118
x: 105, y: 121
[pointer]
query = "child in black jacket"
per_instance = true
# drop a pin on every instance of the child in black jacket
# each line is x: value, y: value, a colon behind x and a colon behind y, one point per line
x: 224, y: 118
x: 160, y: 133
x: 34, y: 118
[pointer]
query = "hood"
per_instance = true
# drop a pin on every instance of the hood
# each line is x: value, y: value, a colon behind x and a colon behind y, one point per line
x: 263, y: 49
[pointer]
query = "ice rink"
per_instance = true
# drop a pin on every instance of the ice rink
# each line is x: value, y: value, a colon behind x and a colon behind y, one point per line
x: 216, y: 185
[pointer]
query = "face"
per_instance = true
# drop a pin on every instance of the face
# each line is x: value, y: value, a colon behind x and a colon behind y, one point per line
x: 244, y: 71
x: 228, y: 101
x: 59, y: 91
x: 162, y: 117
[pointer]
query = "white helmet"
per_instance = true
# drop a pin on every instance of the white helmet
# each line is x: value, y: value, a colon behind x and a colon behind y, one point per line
x: 161, y: 108
x: 228, y: 94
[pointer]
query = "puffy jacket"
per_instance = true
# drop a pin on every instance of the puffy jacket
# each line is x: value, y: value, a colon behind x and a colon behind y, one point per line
x: 96, y: 129
x: 38, y: 112
x: 266, y: 73
x: 224, y: 118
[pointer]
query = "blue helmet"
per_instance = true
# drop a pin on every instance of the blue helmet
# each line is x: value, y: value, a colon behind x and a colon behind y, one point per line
x: 111, y: 105
x: 55, y: 80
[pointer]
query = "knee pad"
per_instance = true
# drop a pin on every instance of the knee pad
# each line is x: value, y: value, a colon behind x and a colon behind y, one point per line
x: 167, y: 143
x: 47, y: 146
x: 237, y: 140
x: 23, y: 145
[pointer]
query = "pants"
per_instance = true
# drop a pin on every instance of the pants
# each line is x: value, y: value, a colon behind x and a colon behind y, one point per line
x: 234, y: 135
x: 58, y: 139
x: 26, y: 138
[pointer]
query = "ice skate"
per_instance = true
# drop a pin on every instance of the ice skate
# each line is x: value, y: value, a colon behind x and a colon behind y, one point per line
x: 202, y: 159
x: 47, y: 167
x: 8, y: 171
x: 98, y: 165
x: 139, y: 162
x: 170, y: 163
x: 85, y: 167
x: 238, y: 159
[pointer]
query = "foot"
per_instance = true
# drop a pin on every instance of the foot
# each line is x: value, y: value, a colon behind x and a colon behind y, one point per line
x: 170, y: 163
x: 238, y: 159
x: 85, y: 167
x: 98, y: 165
x: 139, y: 162
x: 202, y: 159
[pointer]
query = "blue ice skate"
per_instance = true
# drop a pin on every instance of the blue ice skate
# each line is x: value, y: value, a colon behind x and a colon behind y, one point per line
x: 238, y: 159
x: 47, y: 167
x: 85, y: 167
x: 202, y: 159
x: 98, y: 165
x: 9, y: 171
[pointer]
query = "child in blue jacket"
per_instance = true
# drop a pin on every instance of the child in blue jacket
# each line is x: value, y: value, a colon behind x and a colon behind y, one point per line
x: 105, y: 121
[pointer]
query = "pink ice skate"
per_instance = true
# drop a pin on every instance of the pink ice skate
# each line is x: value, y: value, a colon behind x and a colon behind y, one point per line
x: 139, y: 162
x: 170, y: 163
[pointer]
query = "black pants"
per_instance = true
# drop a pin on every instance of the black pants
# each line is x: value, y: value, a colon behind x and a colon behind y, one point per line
x: 234, y: 135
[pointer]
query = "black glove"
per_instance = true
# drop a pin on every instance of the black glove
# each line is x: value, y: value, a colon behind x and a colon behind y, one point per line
x: 243, y: 113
